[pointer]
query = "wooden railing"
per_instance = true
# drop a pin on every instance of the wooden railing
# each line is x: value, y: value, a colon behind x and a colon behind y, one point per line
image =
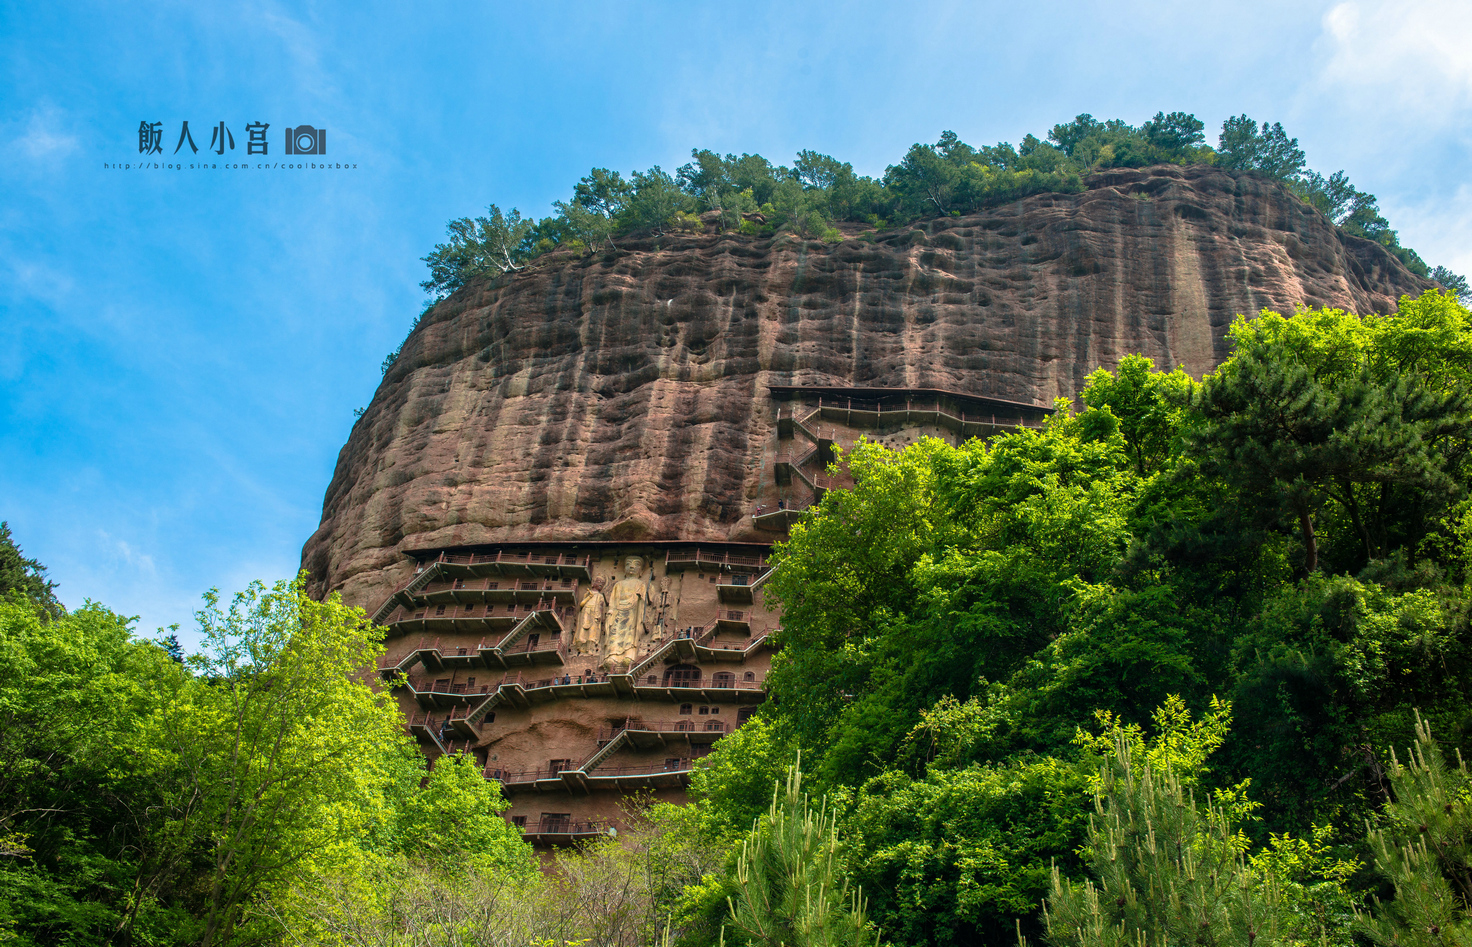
x: 567, y: 827
x: 527, y: 646
x: 464, y: 713
x: 928, y: 406
x: 723, y: 559
x: 475, y: 612
x: 714, y: 682
x: 425, y: 686
x: 508, y: 777
x: 683, y: 725
x: 567, y: 677
x: 643, y: 769
x: 786, y: 456
x: 525, y: 776
x: 554, y: 585
x: 511, y: 558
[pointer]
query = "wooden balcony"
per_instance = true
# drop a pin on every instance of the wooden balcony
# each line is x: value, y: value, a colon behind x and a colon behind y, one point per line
x: 468, y: 722
x: 553, y: 831
x: 496, y: 591
x: 462, y: 569
x: 735, y: 588
x: 706, y: 559
x: 501, y: 562
x: 670, y: 774
x: 426, y: 729
x: 721, y: 686
x: 785, y: 418
x: 523, y: 688
x: 492, y: 619
x: 734, y: 621
x: 535, y: 648
x: 777, y: 520
x: 509, y: 778
x: 443, y: 692
x: 683, y: 731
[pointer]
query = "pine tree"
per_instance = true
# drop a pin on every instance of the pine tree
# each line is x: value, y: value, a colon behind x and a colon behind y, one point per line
x: 1424, y: 848
x: 17, y: 573
x: 790, y: 889
x: 1169, y: 871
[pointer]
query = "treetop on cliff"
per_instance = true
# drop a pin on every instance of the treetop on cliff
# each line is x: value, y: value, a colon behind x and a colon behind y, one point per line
x: 751, y: 195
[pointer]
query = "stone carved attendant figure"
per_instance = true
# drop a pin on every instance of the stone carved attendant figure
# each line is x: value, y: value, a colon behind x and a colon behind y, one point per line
x: 589, y: 637
x: 626, y: 601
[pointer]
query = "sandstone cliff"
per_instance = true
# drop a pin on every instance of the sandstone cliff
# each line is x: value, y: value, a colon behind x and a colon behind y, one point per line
x: 622, y: 396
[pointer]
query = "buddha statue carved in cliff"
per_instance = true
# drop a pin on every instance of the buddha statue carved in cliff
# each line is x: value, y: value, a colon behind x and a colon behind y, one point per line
x: 625, y: 621
x: 589, y: 636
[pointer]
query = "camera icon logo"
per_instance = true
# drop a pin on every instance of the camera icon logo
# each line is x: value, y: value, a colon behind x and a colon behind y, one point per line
x: 306, y: 140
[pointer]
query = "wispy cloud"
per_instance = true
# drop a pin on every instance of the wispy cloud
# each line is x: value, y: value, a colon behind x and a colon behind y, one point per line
x: 1411, y: 57
x: 42, y: 135
x: 1438, y: 227
x: 126, y: 554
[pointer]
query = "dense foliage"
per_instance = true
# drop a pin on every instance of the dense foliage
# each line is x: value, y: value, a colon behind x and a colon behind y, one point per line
x: 748, y: 193
x: 1191, y: 661
x: 1260, y: 577
x: 148, y: 800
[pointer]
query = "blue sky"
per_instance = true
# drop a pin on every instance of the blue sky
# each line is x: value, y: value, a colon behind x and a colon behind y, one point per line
x: 181, y: 351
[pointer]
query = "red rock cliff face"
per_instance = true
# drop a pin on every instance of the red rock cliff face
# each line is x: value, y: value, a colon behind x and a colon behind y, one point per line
x: 622, y: 396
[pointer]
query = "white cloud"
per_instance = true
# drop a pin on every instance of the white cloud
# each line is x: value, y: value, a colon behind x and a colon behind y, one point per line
x: 43, y: 136
x: 1438, y: 228
x: 1407, y: 56
x: 125, y: 553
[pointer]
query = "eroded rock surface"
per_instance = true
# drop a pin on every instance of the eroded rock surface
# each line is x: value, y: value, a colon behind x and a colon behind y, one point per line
x: 622, y: 396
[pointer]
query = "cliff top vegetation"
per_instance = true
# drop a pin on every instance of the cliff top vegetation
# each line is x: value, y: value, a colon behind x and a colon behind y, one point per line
x: 749, y: 194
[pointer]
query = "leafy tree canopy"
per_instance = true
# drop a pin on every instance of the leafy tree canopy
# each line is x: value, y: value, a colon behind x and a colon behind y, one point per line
x: 1214, y: 602
x: 950, y: 177
x: 27, y: 577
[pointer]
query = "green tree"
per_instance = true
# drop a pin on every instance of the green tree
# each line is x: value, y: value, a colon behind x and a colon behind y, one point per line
x: 603, y: 192
x: 1423, y: 847
x: 732, y: 786
x: 483, y: 246
x: 589, y: 227
x: 788, y: 882
x: 1150, y: 406
x: 956, y: 856
x: 454, y: 819
x: 925, y: 180
x: 1174, y: 132
x: 1333, y: 196
x: 940, y: 567
x: 1453, y: 283
x: 1172, y: 870
x: 26, y: 576
x: 275, y: 753
x: 1270, y: 151
x: 1295, y: 427
x: 655, y: 200
x: 76, y: 691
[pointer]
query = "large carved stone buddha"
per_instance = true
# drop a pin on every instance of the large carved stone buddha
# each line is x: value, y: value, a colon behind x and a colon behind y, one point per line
x: 625, y: 621
x: 589, y: 637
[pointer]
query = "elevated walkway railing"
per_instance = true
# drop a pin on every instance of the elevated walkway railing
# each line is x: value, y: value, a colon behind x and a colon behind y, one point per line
x: 531, y: 563
x: 721, y: 561
x: 683, y: 727
x: 547, y: 830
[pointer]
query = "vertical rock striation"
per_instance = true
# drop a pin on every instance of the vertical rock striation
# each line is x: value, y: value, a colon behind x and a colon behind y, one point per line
x: 622, y: 396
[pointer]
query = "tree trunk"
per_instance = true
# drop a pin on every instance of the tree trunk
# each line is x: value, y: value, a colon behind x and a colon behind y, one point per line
x: 1310, y: 542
